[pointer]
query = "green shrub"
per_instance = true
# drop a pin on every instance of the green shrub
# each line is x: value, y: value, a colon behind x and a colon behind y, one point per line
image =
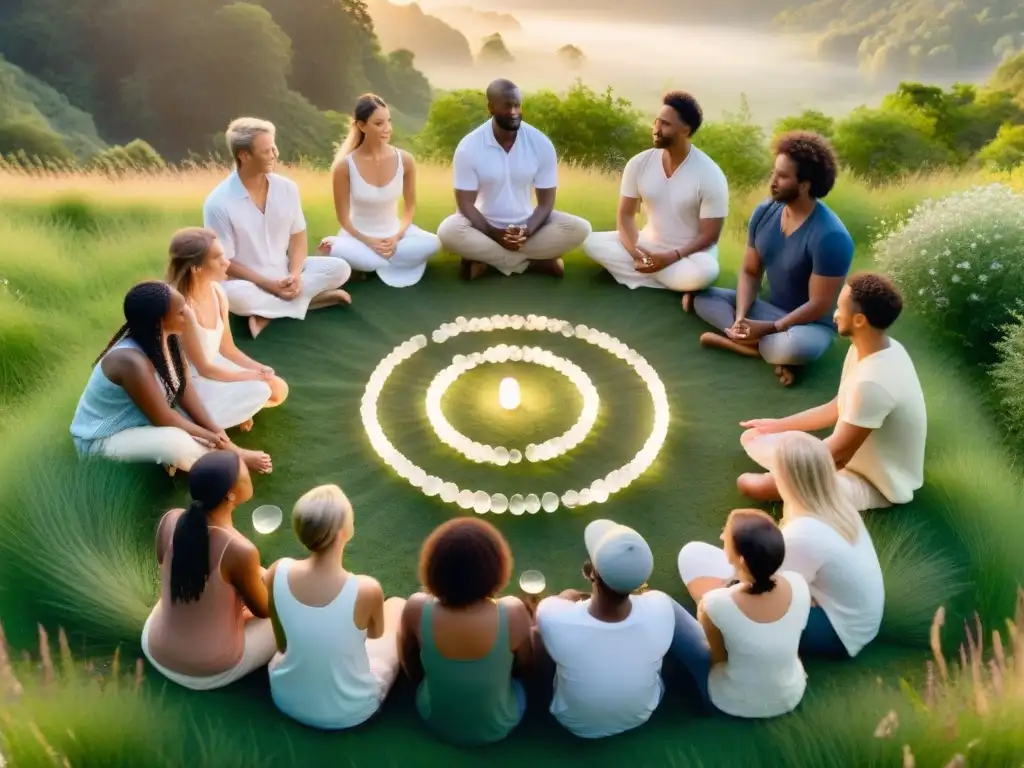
x: 34, y: 139
x: 740, y: 148
x: 135, y: 156
x: 808, y: 120
x: 881, y: 144
x: 1008, y: 374
x: 960, y: 260
x: 1006, y: 151
x: 588, y: 128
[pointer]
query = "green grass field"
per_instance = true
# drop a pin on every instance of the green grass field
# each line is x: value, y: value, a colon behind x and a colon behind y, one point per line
x: 76, y: 539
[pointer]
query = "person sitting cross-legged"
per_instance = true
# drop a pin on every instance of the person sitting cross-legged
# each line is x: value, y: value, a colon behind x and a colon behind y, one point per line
x: 608, y: 644
x: 686, y: 197
x: 210, y: 626
x: 826, y: 542
x: 879, y: 417
x: 467, y: 648
x: 232, y: 386
x: 336, y: 634
x: 496, y: 167
x: 806, y: 253
x: 140, y: 404
x: 257, y: 215
x: 369, y: 177
x: 742, y: 650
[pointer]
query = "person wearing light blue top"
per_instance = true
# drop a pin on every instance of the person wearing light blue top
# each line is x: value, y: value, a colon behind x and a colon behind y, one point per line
x: 805, y: 251
x: 137, y: 405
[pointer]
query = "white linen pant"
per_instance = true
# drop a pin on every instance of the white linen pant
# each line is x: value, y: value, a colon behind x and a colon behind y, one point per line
x: 694, y: 273
x: 231, y: 403
x: 168, y: 446
x: 858, y: 489
x: 405, y: 267
x: 560, y: 234
x: 319, y: 274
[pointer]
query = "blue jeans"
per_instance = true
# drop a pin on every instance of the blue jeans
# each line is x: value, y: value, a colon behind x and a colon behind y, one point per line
x: 799, y: 345
x: 820, y: 639
x: 690, y: 648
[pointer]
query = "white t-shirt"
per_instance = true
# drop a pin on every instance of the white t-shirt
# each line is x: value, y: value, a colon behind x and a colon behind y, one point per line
x: 697, y: 190
x: 255, y: 239
x: 763, y: 676
x: 608, y: 677
x: 845, y: 579
x: 504, y: 180
x: 882, y: 393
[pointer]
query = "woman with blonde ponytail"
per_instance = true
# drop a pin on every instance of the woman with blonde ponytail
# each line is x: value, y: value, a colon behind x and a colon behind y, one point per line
x: 369, y: 178
x: 826, y: 543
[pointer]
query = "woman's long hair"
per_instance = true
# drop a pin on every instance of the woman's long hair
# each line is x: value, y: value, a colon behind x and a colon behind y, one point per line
x: 806, y: 473
x: 210, y: 480
x: 145, y: 306
x: 188, y: 250
x: 368, y: 104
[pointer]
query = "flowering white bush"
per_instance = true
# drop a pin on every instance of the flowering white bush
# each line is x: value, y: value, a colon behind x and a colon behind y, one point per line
x: 959, y: 261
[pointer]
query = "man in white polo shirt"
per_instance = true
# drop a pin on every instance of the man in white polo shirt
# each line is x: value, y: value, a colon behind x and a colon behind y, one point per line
x: 686, y: 197
x: 608, y: 645
x: 496, y: 168
x: 258, y: 218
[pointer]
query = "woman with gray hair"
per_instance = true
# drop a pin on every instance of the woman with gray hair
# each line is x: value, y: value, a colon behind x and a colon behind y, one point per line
x: 336, y: 634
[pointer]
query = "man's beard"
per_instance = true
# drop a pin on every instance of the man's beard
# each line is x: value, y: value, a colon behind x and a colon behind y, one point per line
x: 785, y: 195
x: 663, y: 142
x: 508, y: 123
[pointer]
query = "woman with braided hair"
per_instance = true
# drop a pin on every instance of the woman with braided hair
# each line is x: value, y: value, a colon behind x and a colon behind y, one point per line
x: 137, y: 404
x: 210, y: 626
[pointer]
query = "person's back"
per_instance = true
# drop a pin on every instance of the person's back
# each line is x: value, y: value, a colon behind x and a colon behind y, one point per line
x: 608, y: 674
x: 323, y: 679
x: 821, y: 245
x: 892, y: 456
x: 847, y: 578
x: 763, y: 675
x: 467, y: 698
x: 203, y: 637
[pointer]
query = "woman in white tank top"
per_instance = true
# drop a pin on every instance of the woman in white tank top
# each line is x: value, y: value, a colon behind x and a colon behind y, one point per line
x: 336, y: 635
x: 370, y: 176
x: 743, y: 648
x: 232, y: 386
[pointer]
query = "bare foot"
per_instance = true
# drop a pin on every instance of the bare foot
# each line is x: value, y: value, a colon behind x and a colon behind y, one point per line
x: 170, y: 469
x: 342, y: 296
x: 786, y: 375
x: 715, y: 341
x: 257, y: 324
x: 759, y: 486
x: 245, y: 426
x: 687, y: 302
x: 471, y: 270
x: 553, y: 267
x: 257, y: 461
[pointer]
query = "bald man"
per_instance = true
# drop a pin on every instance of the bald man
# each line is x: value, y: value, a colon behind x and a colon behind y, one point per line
x: 497, y: 168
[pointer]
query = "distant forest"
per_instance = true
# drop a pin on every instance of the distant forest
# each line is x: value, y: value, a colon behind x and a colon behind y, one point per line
x: 175, y: 73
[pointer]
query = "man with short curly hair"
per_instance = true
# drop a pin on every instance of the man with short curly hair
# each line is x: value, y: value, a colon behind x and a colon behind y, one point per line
x: 879, y: 420
x: 806, y: 253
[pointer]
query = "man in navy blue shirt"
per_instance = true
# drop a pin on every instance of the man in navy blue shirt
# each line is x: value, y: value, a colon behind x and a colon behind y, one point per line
x: 806, y: 253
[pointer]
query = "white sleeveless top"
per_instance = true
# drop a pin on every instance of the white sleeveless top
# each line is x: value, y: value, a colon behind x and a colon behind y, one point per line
x: 323, y: 679
x: 210, y: 338
x: 373, y: 209
x: 763, y: 676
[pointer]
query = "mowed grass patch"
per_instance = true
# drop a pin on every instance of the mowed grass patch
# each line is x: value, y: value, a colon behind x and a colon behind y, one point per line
x: 76, y: 539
